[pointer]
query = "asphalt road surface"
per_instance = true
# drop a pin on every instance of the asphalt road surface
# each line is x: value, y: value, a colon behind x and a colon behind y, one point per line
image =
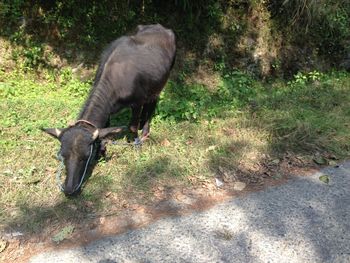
x: 304, y: 220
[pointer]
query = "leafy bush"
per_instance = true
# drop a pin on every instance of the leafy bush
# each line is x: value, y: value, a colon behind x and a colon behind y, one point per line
x: 193, y: 102
x: 78, y: 31
x: 325, y: 24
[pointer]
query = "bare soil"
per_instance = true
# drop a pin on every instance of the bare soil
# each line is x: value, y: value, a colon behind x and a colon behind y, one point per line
x: 168, y: 202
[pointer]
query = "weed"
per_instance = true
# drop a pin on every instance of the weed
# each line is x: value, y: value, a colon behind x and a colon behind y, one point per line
x: 194, y: 102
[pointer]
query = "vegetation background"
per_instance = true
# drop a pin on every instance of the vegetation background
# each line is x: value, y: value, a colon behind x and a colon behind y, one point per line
x: 259, y: 87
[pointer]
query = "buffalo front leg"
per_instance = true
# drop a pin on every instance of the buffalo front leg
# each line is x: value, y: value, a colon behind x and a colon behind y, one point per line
x: 146, y: 117
x: 103, y: 150
x: 103, y: 144
x: 135, y: 121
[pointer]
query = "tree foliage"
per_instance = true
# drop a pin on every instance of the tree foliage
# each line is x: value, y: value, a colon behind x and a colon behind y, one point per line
x: 320, y: 25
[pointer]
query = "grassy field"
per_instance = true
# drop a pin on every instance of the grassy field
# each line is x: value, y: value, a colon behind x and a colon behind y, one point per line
x: 237, y: 129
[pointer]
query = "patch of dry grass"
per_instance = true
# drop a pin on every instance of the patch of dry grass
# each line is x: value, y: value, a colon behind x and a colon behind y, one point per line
x: 299, y: 119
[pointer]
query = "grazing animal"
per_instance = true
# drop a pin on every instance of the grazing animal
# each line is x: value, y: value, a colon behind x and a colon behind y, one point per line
x: 132, y: 73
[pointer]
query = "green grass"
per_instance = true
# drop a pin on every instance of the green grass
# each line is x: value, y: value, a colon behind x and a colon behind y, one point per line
x: 196, y: 134
x: 310, y: 113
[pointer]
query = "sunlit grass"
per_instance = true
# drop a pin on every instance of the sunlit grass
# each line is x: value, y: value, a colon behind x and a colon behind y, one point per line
x: 302, y: 117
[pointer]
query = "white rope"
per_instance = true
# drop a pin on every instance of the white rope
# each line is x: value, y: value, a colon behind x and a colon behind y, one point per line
x: 86, y: 167
x: 60, y: 169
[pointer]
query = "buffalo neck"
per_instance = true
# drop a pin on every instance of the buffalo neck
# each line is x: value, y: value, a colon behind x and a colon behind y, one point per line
x: 99, y: 105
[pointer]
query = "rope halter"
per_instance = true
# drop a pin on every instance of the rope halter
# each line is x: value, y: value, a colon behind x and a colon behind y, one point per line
x: 61, y: 166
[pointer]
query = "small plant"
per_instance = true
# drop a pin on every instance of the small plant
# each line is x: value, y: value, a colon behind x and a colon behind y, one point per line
x: 74, y: 86
x: 236, y: 87
x: 33, y: 56
x: 63, y: 234
x: 301, y: 79
x: 193, y: 102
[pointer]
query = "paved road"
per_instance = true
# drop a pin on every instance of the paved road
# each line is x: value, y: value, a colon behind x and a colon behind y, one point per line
x: 304, y: 220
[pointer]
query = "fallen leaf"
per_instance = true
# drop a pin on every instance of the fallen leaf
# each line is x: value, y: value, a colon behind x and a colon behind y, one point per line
x: 108, y: 194
x: 63, y: 234
x: 332, y: 163
x: 3, y: 245
x: 165, y: 142
x: 33, y: 180
x: 320, y: 160
x: 189, y: 142
x: 210, y: 148
x: 50, y: 170
x: 218, y: 182
x: 239, y: 186
x: 324, y: 178
x: 275, y: 161
x: 7, y: 172
x: 102, y: 220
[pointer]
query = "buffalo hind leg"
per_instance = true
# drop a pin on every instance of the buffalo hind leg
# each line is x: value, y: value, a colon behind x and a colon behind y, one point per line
x: 135, y: 121
x: 146, y: 117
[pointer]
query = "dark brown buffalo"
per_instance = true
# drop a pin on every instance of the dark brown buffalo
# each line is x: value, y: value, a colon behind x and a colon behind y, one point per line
x: 132, y: 73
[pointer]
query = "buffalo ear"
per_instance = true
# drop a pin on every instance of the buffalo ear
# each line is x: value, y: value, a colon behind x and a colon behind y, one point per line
x: 54, y: 132
x: 109, y: 132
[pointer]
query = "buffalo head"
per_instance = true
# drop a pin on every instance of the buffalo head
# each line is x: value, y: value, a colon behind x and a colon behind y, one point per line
x: 79, y: 145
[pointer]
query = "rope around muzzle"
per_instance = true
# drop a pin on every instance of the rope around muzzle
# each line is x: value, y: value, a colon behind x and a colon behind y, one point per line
x: 61, y: 167
x: 137, y: 143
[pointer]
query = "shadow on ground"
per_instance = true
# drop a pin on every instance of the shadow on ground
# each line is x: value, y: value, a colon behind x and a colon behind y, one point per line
x: 302, y: 221
x: 306, y: 120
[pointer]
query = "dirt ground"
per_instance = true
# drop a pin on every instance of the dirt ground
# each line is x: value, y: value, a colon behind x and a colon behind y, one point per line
x: 169, y: 202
